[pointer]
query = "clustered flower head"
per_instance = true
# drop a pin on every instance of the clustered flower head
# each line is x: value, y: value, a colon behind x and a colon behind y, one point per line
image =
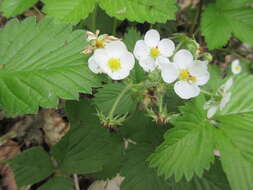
x: 112, y: 58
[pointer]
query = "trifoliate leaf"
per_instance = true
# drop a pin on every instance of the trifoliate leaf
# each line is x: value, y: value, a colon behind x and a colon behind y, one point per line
x: 214, y: 179
x: 69, y: 11
x: 86, y: 148
x: 234, y: 138
x: 31, y: 166
x: 241, y: 100
x: 141, y: 129
x: 140, y: 10
x: 188, y: 148
x: 41, y: 63
x: 58, y: 182
x: 137, y: 173
x: 116, y: 95
x: 222, y: 19
x: 11, y: 8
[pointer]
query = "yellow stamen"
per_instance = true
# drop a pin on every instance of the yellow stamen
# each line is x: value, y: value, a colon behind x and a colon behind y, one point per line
x: 185, y: 75
x: 238, y: 68
x: 154, y: 52
x: 99, y: 44
x: 114, y: 64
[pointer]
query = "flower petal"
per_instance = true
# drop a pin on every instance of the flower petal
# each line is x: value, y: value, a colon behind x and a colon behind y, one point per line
x: 115, y: 48
x: 127, y: 60
x: 119, y: 75
x: 211, y: 111
x: 166, y: 47
x: 186, y: 90
x: 152, y: 38
x: 225, y: 100
x: 93, y: 65
x: 141, y: 50
x: 100, y: 56
x: 148, y: 64
x: 183, y: 59
x: 169, y: 73
x: 199, y: 70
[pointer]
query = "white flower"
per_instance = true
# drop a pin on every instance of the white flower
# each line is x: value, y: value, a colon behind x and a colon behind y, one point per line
x: 115, y: 60
x: 236, y: 67
x: 212, y: 106
x: 191, y: 74
x: 151, y: 50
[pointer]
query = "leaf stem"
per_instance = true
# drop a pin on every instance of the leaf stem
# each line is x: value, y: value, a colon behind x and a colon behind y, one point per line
x: 114, y: 27
x: 207, y: 93
x: 94, y: 20
x: 77, y: 187
x: 118, y: 100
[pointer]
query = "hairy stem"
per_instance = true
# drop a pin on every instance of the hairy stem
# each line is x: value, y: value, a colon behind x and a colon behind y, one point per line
x: 118, y: 100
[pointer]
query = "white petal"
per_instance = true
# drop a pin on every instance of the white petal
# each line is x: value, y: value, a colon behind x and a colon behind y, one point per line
x: 100, y: 56
x: 186, y: 90
x: 166, y: 47
x: 127, y: 60
x: 115, y: 48
x: 141, y: 50
x: 225, y: 87
x: 119, y: 75
x: 199, y: 70
x: 225, y: 100
x: 93, y: 65
x: 152, y: 38
x: 211, y: 111
x: 169, y: 73
x: 236, y: 66
x: 148, y: 64
x: 183, y: 59
x: 162, y: 62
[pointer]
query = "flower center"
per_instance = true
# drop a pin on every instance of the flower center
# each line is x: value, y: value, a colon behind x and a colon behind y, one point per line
x: 185, y: 75
x: 114, y: 64
x: 238, y: 68
x: 99, y: 44
x: 154, y: 52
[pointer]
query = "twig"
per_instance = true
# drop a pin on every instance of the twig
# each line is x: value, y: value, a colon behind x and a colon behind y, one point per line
x: 76, y: 182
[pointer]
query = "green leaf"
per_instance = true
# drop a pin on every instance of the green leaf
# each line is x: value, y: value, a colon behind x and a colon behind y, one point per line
x: 31, y: 166
x: 104, y: 23
x: 115, y: 94
x: 241, y: 97
x: 69, y: 11
x: 222, y: 19
x: 131, y: 37
x: 140, y: 10
x: 187, y: 148
x: 141, y: 129
x: 112, y: 165
x: 234, y: 141
x: 214, y: 179
x: 11, y: 8
x: 58, y: 182
x: 137, y: 173
x: 86, y: 148
x: 42, y: 62
x: 215, y: 78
